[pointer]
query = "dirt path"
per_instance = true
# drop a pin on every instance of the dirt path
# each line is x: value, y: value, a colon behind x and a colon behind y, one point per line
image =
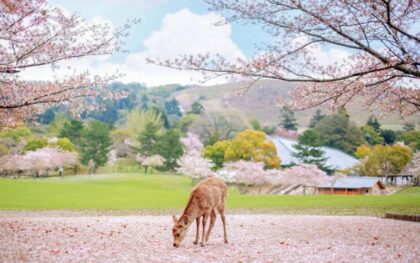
x: 253, y: 238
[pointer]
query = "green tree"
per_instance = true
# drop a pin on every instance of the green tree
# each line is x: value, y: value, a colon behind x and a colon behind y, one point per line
x: 374, y: 123
x: 172, y: 107
x: 383, y: 160
x: 255, y: 124
x: 95, y: 143
x: 216, y: 153
x: 137, y: 120
x: 316, y: 118
x: 408, y: 126
x: 371, y: 136
x: 248, y: 145
x: 288, y: 120
x: 170, y: 148
x: 308, y: 150
x: 144, y: 102
x: 197, y: 108
x: 47, y: 116
x: 64, y: 144
x: 148, y: 139
x: 337, y: 131
x: 411, y: 138
x: 72, y: 130
x: 35, y: 144
x: 389, y: 136
x: 185, y: 122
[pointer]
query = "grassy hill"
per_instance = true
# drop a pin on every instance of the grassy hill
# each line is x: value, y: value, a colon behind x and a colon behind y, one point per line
x: 259, y: 102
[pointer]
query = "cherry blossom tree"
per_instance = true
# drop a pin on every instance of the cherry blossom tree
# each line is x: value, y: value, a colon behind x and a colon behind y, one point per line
x: 192, y: 163
x: 249, y: 173
x: 378, y: 42
x: 40, y: 160
x: 153, y: 161
x: 35, y: 34
x: 303, y: 174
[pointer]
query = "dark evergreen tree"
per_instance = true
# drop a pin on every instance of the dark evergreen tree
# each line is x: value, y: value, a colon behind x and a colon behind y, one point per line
x: 316, y: 118
x: 148, y: 140
x: 389, y: 136
x: 47, y: 116
x: 408, y: 126
x: 170, y: 148
x: 72, y: 130
x: 95, y: 143
x: 374, y: 123
x: 337, y: 131
x: 172, y: 107
x: 197, y: 108
x: 308, y: 150
x: 288, y: 119
x: 144, y: 102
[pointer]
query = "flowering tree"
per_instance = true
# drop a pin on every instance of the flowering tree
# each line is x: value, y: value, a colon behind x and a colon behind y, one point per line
x: 153, y: 161
x: 379, y: 41
x: 35, y: 34
x: 192, y: 163
x: 40, y: 160
x: 303, y: 174
x: 248, y: 173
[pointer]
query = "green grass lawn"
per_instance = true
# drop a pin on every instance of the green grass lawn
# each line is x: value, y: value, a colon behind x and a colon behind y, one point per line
x: 169, y: 193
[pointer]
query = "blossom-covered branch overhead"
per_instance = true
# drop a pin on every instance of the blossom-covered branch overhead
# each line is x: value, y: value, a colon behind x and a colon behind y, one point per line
x: 380, y: 40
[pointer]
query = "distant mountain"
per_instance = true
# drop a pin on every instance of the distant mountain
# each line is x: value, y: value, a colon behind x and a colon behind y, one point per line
x: 259, y: 102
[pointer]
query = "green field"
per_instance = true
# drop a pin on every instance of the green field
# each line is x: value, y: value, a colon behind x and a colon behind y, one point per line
x: 132, y: 193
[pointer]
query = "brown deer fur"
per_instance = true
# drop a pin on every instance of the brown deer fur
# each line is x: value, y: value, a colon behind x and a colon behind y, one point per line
x: 209, y: 195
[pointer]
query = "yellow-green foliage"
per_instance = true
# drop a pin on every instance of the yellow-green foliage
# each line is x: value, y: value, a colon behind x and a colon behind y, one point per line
x: 35, y: 144
x: 15, y: 133
x: 138, y: 119
x: 248, y: 145
x: 383, y: 159
x: 64, y: 144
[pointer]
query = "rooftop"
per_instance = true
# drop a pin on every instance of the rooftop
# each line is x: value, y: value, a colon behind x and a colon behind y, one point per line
x: 353, y: 182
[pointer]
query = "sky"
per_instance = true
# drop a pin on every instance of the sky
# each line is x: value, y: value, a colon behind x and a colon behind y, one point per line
x: 168, y: 29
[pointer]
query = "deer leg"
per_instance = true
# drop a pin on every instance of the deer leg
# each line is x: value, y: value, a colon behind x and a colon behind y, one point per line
x: 197, y: 234
x: 222, y: 215
x: 205, y: 217
x: 212, y: 221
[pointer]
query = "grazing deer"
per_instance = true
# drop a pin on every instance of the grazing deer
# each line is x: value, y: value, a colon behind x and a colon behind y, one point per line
x: 208, y: 195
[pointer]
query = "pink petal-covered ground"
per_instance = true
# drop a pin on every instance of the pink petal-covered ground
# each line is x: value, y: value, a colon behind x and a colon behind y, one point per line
x: 253, y: 238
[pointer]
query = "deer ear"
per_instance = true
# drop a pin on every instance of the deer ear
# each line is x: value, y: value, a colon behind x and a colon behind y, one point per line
x: 175, y: 218
x: 185, y: 220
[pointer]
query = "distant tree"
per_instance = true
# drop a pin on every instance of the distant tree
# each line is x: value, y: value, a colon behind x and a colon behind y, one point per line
x: 383, y: 160
x: 251, y: 145
x: 411, y: 138
x: 95, y: 143
x: 374, y: 123
x: 248, y: 173
x: 170, y: 148
x: 64, y: 144
x: 288, y: 120
x: 256, y: 125
x: 72, y: 130
x: 213, y: 126
x: 308, y: 150
x: 108, y: 114
x: 371, y: 136
x: 216, y: 152
x: 148, y: 139
x: 184, y: 123
x: 144, y: 102
x: 47, y: 116
x: 337, y: 131
x: 153, y: 161
x: 409, y: 126
x: 389, y: 136
x: 197, y: 108
x: 137, y: 120
x: 316, y: 118
x: 172, y: 107
x: 192, y: 162
x: 35, y: 144
x: 269, y: 129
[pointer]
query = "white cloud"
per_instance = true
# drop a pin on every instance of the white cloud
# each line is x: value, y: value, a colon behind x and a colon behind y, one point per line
x: 180, y: 33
